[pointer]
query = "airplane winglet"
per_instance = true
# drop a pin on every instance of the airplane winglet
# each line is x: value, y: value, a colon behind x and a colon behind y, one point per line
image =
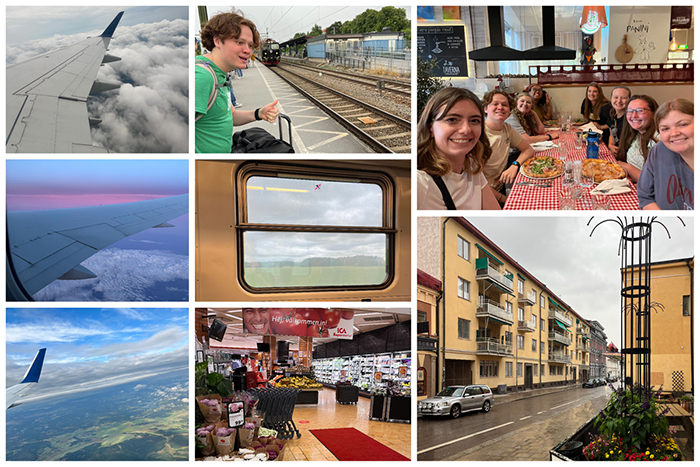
x: 34, y: 370
x: 112, y: 26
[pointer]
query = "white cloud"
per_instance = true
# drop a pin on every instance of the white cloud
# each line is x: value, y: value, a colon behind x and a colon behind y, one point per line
x: 122, y: 275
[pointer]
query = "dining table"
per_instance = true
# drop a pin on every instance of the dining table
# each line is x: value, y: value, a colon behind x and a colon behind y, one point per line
x: 528, y: 193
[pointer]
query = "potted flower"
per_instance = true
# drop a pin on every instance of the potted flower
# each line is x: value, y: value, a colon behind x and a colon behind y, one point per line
x: 632, y: 427
x: 686, y: 402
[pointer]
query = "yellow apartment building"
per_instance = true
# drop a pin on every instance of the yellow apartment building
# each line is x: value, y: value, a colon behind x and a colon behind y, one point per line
x: 671, y: 325
x: 495, y: 323
x: 428, y: 296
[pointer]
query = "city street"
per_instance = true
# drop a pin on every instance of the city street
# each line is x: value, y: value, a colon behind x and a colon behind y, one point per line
x: 535, y: 425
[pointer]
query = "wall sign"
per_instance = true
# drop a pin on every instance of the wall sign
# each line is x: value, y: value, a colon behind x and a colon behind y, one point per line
x: 448, y: 45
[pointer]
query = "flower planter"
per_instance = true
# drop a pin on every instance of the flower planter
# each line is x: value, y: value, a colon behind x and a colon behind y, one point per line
x: 565, y: 451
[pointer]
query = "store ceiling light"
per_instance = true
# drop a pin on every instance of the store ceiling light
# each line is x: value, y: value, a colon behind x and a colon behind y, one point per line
x: 592, y: 19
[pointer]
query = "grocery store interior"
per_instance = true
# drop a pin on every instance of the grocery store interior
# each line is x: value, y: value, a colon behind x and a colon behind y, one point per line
x: 334, y: 383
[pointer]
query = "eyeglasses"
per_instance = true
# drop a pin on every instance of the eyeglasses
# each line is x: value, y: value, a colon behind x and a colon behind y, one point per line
x: 636, y: 111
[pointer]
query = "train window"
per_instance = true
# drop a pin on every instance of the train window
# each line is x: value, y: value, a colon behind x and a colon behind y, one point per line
x: 319, y: 230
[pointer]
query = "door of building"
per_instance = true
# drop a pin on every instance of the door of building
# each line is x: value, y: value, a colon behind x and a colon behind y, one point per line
x: 528, y: 376
x: 458, y: 372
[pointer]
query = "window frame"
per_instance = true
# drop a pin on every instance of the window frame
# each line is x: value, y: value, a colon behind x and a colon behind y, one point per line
x: 468, y: 287
x: 461, y: 323
x: 274, y: 169
x: 461, y: 241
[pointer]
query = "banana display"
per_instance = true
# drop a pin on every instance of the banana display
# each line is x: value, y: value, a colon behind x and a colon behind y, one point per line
x: 299, y: 382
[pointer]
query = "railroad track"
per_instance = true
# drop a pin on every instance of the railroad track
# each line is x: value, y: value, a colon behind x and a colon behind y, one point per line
x: 401, y: 88
x: 382, y: 131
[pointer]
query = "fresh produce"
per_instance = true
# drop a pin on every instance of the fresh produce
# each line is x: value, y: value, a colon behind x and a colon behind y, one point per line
x: 299, y: 382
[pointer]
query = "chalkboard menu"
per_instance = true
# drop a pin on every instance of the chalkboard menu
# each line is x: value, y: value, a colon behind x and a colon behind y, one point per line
x: 447, y: 44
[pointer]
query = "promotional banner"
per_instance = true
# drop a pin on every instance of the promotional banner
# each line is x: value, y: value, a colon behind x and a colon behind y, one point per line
x: 301, y: 322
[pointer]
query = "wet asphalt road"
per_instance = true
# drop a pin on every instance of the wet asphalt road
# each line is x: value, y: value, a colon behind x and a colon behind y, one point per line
x: 444, y: 438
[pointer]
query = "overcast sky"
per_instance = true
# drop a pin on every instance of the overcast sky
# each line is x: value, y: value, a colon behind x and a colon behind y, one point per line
x: 584, y: 271
x: 282, y: 22
x: 150, y: 265
x: 149, y: 113
x: 93, y: 348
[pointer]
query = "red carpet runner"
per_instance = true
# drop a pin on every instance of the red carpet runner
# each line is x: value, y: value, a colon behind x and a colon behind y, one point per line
x: 348, y: 444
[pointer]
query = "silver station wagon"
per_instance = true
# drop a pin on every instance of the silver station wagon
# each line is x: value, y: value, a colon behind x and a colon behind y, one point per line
x: 455, y: 400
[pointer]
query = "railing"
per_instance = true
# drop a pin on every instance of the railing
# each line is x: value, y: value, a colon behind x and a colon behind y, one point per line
x: 428, y: 343
x: 559, y: 337
x: 558, y: 357
x: 583, y: 347
x: 495, y: 275
x: 604, y: 74
x: 526, y: 326
x: 491, y: 309
x: 583, y: 332
x: 522, y: 298
x: 556, y: 314
x: 492, y: 346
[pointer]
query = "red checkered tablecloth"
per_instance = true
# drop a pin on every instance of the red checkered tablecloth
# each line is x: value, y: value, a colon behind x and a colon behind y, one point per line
x: 534, y: 197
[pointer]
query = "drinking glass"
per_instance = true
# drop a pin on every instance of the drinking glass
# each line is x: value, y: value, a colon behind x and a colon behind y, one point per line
x: 563, y: 151
x: 566, y: 202
x: 587, y: 178
x: 601, y: 202
x: 578, y: 143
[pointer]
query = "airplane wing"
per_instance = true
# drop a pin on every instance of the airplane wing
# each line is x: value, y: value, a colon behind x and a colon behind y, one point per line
x: 49, y: 245
x: 47, y: 97
x: 29, y: 380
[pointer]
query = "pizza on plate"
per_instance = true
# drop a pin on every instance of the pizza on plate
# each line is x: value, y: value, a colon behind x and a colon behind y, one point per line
x: 603, y: 170
x: 542, y: 167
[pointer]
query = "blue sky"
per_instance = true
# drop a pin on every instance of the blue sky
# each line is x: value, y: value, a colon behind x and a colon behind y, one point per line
x: 89, y: 348
x: 131, y: 269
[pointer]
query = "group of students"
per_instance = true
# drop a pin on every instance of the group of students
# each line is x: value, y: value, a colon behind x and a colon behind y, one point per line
x: 469, y: 149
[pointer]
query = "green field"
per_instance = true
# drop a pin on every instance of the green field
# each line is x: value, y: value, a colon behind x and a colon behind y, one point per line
x: 323, y: 276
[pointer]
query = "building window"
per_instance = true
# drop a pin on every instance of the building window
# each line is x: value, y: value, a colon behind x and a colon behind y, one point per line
x: 541, y: 347
x: 534, y: 321
x: 521, y: 342
x: 278, y: 206
x: 534, y: 370
x: 552, y: 371
x: 541, y: 301
x: 463, y: 328
x: 420, y: 381
x: 463, y: 248
x: 463, y: 288
x: 509, y: 308
x: 521, y: 287
x: 560, y: 371
x: 509, y: 337
x: 686, y: 305
x: 542, y: 369
x: 534, y: 345
x: 542, y: 324
x: 520, y: 369
x: 422, y: 316
x: 488, y: 369
x: 509, y: 369
x: 521, y: 314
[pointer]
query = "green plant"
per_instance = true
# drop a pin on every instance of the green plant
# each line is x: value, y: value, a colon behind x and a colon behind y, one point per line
x: 687, y: 398
x: 633, y: 416
x: 210, y: 383
x: 426, y: 83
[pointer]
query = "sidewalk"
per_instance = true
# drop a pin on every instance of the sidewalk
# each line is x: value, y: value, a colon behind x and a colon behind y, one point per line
x: 529, y: 393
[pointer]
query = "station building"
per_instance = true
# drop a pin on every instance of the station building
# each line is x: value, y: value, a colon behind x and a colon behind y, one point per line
x: 372, y: 43
x: 490, y: 321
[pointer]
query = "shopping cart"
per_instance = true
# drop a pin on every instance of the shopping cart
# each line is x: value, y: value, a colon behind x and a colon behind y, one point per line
x: 278, y: 406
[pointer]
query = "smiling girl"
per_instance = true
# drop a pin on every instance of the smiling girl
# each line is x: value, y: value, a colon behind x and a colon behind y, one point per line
x: 667, y: 180
x: 452, y: 152
x: 638, y: 136
x: 595, y: 108
x: 526, y: 122
x: 619, y: 99
x: 231, y: 40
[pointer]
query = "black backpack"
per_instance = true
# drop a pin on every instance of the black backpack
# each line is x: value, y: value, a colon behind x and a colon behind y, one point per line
x: 257, y: 139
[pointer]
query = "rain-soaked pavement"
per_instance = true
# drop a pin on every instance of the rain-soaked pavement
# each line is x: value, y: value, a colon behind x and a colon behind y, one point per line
x: 530, y: 427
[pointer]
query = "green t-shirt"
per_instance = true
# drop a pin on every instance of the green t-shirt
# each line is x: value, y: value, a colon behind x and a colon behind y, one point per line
x: 213, y: 133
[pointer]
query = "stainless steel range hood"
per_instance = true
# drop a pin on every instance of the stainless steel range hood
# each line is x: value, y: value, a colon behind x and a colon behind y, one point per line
x: 499, y: 51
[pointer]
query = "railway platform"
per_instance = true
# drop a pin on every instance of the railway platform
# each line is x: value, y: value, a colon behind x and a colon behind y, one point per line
x: 312, y: 130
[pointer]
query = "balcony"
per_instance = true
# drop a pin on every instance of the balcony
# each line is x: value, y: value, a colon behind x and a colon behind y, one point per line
x: 529, y: 299
x: 491, y: 309
x: 489, y: 271
x: 527, y: 326
x: 584, y: 367
x: 492, y: 346
x: 583, y: 332
x: 559, y: 316
x: 558, y: 357
x: 559, y: 337
x: 583, y: 347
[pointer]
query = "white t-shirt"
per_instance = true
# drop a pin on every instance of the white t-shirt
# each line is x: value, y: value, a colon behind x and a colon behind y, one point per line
x: 464, y: 188
x: 501, y: 142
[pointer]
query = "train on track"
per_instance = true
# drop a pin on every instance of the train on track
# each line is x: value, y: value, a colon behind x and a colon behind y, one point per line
x: 270, y: 52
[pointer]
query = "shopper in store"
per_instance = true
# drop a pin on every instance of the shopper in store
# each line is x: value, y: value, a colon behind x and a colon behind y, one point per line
x: 256, y: 320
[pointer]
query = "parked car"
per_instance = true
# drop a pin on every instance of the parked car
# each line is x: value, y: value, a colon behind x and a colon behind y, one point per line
x: 455, y: 400
x: 591, y: 383
x: 601, y: 382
